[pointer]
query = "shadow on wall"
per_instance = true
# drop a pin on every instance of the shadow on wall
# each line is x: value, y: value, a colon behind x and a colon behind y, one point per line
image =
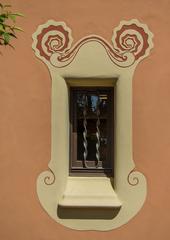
x: 87, y: 213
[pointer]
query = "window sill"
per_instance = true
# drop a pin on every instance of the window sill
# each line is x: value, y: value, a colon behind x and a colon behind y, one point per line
x: 89, y: 192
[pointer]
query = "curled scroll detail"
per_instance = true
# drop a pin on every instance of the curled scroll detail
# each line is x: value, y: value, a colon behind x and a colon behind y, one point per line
x: 131, y: 41
x: 133, y: 178
x: 50, y: 178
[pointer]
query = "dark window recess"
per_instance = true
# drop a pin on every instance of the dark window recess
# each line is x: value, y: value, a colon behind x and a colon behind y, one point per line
x: 91, y: 130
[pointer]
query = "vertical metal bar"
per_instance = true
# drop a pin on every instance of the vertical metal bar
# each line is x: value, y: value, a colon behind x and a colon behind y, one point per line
x: 85, y: 143
x: 98, y: 132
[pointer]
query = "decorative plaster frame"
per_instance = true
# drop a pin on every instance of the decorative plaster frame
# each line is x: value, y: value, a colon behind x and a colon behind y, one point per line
x: 92, y: 58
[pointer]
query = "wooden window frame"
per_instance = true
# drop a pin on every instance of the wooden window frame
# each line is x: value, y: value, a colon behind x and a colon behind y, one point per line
x: 75, y: 165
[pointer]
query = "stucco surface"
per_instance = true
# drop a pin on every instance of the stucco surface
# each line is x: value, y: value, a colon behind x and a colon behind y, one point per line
x: 25, y: 89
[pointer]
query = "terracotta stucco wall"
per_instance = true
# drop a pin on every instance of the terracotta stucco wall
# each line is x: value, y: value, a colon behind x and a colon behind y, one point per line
x: 25, y: 118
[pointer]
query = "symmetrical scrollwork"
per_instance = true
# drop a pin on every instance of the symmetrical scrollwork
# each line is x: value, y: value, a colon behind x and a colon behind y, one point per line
x: 132, y: 41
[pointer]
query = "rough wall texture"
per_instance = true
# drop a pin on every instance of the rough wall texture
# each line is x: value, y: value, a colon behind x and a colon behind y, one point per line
x: 25, y: 88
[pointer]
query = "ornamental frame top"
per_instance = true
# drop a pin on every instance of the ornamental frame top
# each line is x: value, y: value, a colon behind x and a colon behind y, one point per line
x: 131, y: 42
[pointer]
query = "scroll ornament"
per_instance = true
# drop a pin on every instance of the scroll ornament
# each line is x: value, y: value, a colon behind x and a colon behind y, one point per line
x: 131, y: 42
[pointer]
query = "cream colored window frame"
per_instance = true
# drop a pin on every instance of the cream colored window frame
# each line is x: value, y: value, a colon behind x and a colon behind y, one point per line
x: 88, y: 191
x: 89, y: 61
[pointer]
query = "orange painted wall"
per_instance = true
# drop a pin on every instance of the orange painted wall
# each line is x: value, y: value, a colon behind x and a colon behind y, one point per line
x: 25, y: 118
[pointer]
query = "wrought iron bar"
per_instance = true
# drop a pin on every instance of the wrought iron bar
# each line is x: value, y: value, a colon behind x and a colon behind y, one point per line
x: 85, y: 143
x: 98, y: 132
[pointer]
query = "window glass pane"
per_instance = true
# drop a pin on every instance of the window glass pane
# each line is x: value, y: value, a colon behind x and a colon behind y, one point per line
x: 92, y: 134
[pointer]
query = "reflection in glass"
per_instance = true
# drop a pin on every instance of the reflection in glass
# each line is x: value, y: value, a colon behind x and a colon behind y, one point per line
x: 92, y: 114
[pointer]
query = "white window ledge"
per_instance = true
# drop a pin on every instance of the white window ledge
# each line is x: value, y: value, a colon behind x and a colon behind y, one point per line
x: 89, y: 192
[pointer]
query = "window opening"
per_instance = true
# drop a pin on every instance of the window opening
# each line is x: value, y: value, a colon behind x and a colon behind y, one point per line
x: 91, y: 130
